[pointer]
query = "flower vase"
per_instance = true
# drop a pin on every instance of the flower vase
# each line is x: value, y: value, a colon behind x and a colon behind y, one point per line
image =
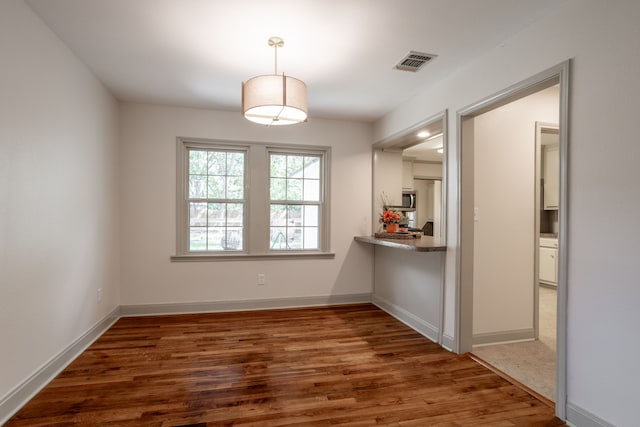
x: 392, y: 228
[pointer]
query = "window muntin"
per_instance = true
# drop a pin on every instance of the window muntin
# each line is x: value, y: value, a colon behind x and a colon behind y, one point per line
x: 216, y: 199
x: 295, y: 183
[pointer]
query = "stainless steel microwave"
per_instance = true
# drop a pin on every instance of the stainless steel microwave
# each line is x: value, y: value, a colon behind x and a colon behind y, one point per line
x: 408, y: 199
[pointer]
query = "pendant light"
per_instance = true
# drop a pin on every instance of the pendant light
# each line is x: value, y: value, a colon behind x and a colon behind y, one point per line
x: 273, y: 99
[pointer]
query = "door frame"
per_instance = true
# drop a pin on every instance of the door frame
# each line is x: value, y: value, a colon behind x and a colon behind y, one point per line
x: 559, y: 74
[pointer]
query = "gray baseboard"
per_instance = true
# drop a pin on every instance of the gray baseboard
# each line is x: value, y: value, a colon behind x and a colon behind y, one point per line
x: 21, y: 394
x: 411, y: 320
x: 579, y: 417
x: 504, y: 336
x: 25, y: 391
x: 241, y: 305
x: 448, y: 342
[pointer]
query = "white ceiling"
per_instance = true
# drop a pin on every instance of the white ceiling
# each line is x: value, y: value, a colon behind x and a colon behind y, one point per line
x: 425, y: 151
x: 197, y: 52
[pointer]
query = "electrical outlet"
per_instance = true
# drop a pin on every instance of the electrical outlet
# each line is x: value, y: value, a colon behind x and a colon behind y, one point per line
x: 99, y: 294
x: 261, y: 279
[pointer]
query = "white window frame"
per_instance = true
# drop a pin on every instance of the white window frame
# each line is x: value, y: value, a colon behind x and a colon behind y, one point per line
x: 256, y: 198
x: 184, y: 200
x: 321, y: 203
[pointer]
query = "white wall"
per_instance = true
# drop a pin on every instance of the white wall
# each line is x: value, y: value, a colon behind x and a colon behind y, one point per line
x: 407, y: 174
x: 148, y: 211
x: 602, y: 40
x: 504, y: 234
x: 408, y: 284
x: 58, y: 196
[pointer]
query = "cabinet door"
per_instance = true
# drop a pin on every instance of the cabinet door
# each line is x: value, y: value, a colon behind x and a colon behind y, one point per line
x: 551, y: 177
x: 407, y: 175
x: 387, y: 178
x: 547, y: 267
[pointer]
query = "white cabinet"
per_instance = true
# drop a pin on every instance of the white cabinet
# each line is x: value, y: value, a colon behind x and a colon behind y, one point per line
x: 548, y: 265
x: 551, y: 175
x: 407, y: 175
x: 548, y: 261
x: 387, y: 178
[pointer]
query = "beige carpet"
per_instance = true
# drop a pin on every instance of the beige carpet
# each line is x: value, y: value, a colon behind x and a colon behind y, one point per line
x: 532, y: 363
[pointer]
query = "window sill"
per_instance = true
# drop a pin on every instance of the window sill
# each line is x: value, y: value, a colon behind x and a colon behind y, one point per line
x: 249, y: 257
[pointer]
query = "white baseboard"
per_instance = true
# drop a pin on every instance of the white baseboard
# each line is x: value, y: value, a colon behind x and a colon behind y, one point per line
x: 504, y: 337
x: 448, y: 342
x: 241, y: 305
x: 577, y: 416
x: 411, y: 320
x: 25, y: 391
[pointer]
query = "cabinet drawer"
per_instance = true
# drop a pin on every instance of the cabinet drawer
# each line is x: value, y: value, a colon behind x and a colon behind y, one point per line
x: 548, y: 242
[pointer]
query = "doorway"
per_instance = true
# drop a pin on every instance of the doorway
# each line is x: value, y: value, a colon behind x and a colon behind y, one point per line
x: 479, y: 208
x: 522, y: 338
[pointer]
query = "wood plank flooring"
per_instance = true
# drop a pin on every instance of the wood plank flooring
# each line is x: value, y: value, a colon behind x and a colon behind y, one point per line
x: 347, y: 365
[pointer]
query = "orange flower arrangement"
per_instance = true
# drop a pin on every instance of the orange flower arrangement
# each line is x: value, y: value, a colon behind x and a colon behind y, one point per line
x: 387, y: 216
x: 390, y: 217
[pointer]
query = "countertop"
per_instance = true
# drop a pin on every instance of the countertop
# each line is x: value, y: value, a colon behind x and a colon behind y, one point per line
x: 550, y: 235
x: 424, y: 244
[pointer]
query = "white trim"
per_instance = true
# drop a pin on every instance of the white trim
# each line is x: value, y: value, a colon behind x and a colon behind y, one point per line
x: 503, y: 337
x: 448, y: 342
x: 428, y: 178
x: 246, y: 257
x: 411, y: 320
x: 27, y: 389
x: 431, y: 162
x: 576, y: 416
x: 463, y: 290
x: 443, y: 269
x: 241, y: 305
x: 563, y: 244
x: 444, y: 196
x: 390, y: 141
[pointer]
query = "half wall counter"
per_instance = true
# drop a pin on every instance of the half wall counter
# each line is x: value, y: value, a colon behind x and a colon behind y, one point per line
x: 408, y: 281
x: 422, y: 244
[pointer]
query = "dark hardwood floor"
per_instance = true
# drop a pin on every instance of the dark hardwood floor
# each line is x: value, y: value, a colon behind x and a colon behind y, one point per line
x: 348, y: 365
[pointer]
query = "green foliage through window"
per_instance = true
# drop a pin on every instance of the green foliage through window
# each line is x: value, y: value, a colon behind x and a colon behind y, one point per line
x: 216, y: 200
x: 295, y: 194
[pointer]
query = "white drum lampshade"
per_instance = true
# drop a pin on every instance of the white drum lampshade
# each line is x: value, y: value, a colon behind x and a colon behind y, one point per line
x: 274, y: 100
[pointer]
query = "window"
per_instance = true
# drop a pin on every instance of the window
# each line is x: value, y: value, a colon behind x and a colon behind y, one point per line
x: 284, y: 212
x: 294, y: 188
x: 216, y: 199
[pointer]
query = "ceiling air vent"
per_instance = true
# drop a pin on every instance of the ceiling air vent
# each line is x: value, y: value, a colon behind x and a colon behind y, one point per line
x: 413, y: 61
